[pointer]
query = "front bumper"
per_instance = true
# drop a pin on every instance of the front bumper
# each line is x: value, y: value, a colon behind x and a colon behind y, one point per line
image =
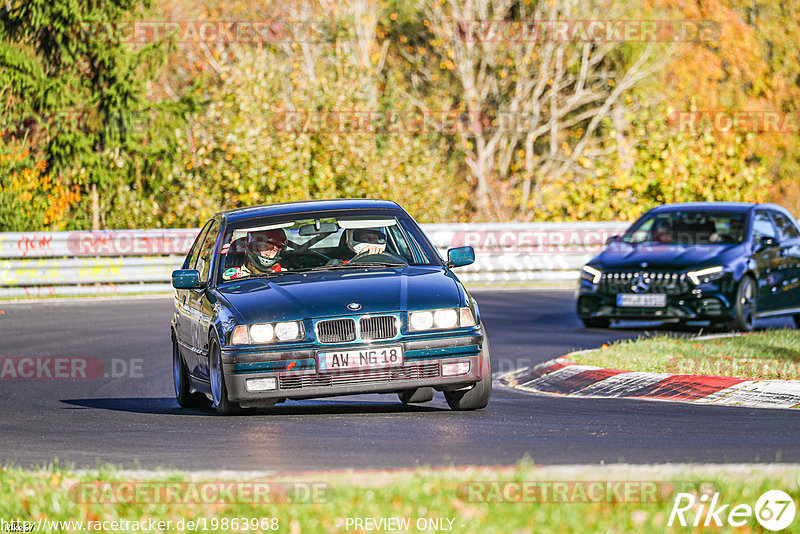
x: 298, y: 378
x: 704, y: 303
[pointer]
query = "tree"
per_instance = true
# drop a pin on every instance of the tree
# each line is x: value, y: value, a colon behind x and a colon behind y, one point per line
x: 547, y: 96
x: 64, y: 63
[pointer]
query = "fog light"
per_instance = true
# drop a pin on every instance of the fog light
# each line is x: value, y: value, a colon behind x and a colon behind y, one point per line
x: 261, y: 384
x: 455, y: 369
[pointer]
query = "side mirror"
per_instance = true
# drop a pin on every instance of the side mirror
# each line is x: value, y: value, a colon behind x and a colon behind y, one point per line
x: 612, y: 239
x: 186, y: 279
x: 458, y: 257
x: 767, y: 242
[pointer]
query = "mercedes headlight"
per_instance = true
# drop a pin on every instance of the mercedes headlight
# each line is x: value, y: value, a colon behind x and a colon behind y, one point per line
x: 703, y: 276
x: 590, y: 274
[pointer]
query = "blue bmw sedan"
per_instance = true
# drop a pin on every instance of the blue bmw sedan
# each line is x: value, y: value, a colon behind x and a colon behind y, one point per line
x: 322, y: 298
x: 724, y: 262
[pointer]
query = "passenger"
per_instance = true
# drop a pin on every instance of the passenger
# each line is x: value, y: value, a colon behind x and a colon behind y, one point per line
x: 365, y: 241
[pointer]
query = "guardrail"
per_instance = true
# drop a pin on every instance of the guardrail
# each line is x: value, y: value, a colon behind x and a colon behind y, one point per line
x: 34, y: 264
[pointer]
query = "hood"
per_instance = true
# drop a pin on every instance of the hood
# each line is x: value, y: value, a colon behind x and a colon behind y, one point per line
x: 667, y: 257
x: 327, y: 293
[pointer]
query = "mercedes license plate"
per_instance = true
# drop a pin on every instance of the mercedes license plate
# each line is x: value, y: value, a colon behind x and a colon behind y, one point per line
x: 658, y: 300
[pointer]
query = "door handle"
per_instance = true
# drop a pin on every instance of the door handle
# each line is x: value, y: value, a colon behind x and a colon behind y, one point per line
x: 183, y: 300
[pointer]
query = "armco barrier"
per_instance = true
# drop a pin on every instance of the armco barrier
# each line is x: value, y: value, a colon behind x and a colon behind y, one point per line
x: 140, y: 261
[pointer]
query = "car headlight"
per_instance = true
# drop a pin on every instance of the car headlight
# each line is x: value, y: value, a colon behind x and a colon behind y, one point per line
x: 703, y: 276
x: 267, y: 332
x: 440, y: 319
x: 591, y: 274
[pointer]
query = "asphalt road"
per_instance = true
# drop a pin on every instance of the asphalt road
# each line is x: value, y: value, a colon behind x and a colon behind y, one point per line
x: 133, y: 421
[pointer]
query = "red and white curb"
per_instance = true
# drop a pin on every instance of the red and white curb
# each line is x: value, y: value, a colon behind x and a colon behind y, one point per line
x: 563, y: 377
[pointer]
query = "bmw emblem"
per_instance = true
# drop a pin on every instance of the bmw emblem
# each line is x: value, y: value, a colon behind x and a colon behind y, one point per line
x: 355, y: 306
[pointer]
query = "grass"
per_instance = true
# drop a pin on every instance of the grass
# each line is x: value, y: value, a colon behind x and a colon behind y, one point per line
x: 766, y: 355
x: 415, y: 494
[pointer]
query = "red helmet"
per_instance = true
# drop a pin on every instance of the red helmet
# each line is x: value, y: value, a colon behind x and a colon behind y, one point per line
x: 261, y: 240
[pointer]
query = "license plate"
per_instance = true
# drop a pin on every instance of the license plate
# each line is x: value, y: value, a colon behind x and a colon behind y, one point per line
x: 360, y: 359
x: 658, y: 300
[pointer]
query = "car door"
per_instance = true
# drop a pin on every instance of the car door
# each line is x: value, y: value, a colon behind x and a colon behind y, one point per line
x: 197, y: 303
x: 768, y: 260
x: 789, y: 236
x: 183, y: 319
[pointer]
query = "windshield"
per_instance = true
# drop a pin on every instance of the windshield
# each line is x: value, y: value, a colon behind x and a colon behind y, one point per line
x: 686, y: 228
x: 271, y: 247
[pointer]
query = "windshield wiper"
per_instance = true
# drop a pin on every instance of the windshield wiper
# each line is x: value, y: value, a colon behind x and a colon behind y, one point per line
x: 254, y: 276
x: 354, y: 265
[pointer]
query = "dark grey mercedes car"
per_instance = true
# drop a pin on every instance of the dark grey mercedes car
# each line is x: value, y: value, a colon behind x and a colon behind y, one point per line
x: 728, y: 263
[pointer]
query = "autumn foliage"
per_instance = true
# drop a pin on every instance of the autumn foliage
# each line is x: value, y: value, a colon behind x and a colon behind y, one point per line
x: 196, y: 129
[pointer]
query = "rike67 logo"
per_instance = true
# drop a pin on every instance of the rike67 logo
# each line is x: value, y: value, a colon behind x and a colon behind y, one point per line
x: 774, y: 510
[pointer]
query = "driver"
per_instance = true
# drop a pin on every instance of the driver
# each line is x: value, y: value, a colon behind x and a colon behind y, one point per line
x: 365, y: 241
x: 263, y: 251
x: 262, y: 254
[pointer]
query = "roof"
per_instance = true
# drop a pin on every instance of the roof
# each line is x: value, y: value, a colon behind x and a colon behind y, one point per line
x: 698, y: 206
x: 285, y: 208
x: 735, y: 207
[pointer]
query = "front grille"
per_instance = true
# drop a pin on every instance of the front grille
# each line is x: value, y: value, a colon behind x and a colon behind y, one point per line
x: 380, y: 327
x: 660, y: 282
x: 336, y: 331
x: 413, y: 371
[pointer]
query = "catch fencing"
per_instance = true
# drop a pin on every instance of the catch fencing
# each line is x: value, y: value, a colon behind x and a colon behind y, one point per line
x: 38, y: 264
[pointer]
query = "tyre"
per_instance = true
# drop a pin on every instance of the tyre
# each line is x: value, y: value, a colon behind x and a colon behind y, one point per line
x: 797, y: 320
x: 219, y: 393
x: 180, y: 379
x: 596, y: 322
x: 414, y: 396
x: 477, y: 397
x: 745, y: 306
